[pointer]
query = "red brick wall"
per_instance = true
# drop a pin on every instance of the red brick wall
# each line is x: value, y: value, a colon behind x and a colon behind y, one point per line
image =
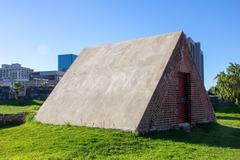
x: 162, y: 112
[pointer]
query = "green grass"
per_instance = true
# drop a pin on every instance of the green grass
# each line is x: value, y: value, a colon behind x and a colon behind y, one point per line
x: 229, y: 116
x: 33, y: 140
x: 19, y: 106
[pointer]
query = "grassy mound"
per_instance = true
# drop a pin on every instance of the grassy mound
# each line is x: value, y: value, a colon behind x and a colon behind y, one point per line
x: 33, y: 140
x: 19, y: 106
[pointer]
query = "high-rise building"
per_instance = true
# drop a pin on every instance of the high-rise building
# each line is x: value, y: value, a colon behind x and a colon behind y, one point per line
x: 65, y: 61
x: 15, y: 72
x: 197, y: 55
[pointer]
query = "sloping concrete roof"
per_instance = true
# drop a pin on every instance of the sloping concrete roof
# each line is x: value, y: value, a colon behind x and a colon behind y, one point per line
x: 111, y: 85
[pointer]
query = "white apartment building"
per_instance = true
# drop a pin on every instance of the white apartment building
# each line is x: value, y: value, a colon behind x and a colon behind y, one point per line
x: 14, y: 72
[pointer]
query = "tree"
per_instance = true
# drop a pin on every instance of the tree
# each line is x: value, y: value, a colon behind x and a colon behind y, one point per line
x: 212, y: 91
x: 18, y: 87
x: 44, y: 85
x: 228, y: 84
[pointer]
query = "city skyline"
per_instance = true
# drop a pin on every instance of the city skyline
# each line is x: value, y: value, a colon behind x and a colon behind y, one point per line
x: 34, y: 33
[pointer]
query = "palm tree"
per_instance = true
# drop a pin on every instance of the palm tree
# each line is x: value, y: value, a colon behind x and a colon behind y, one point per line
x: 228, y: 84
x: 18, y: 87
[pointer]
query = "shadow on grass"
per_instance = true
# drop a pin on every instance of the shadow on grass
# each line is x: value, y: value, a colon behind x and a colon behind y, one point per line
x: 5, y: 126
x: 21, y: 102
x: 227, y: 109
x: 228, y: 118
x: 212, y: 134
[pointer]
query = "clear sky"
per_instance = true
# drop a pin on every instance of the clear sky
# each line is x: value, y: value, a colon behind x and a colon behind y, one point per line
x: 34, y: 32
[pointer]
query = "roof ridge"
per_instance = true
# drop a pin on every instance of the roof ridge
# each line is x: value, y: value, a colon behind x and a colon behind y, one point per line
x: 132, y: 40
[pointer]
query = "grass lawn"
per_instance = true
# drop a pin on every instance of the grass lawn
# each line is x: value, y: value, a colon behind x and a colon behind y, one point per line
x: 19, y: 106
x: 33, y: 140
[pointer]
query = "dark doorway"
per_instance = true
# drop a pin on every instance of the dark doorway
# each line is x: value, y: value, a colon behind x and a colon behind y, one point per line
x: 183, y: 98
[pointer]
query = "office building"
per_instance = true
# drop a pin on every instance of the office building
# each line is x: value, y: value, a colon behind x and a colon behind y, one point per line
x: 51, y: 77
x: 65, y: 61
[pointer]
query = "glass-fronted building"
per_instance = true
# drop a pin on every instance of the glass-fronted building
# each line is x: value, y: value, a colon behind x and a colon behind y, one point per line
x: 65, y: 61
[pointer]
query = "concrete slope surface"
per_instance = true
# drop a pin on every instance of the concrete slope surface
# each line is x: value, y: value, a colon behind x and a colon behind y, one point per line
x: 110, y: 86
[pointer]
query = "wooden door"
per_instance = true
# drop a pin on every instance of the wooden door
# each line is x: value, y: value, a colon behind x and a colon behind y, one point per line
x: 183, y: 98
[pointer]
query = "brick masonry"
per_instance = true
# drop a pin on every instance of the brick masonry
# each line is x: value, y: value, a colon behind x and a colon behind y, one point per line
x: 12, y: 118
x: 162, y: 112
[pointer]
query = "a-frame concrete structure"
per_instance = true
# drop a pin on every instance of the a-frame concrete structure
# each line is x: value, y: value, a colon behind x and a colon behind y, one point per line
x: 132, y: 85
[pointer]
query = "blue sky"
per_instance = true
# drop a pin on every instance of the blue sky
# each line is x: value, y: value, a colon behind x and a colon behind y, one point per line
x: 34, y: 32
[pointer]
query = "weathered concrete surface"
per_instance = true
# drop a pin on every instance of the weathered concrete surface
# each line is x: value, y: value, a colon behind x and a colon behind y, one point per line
x: 111, y: 85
